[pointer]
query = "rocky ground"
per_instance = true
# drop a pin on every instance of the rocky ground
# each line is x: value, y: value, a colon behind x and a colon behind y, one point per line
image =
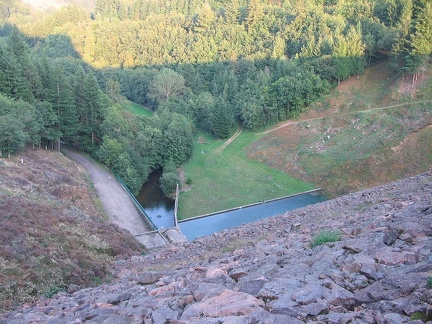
x: 267, y: 272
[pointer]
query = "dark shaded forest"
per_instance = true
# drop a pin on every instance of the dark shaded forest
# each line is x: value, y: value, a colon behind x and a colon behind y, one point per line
x: 66, y: 74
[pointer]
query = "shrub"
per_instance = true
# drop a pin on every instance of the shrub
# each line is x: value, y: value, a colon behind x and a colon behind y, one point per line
x: 52, y: 291
x: 168, y: 182
x: 325, y: 237
x: 429, y: 281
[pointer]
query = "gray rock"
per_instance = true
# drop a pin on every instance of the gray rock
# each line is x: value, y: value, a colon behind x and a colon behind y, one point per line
x: 114, y: 299
x: 390, y: 237
x: 308, y: 294
x: 227, y: 303
x: 236, y: 274
x: 279, y: 286
x: 251, y: 287
x: 393, y: 318
x: 262, y: 273
x: 339, y: 296
x: 314, y: 309
x: 164, y: 315
x: 148, y: 278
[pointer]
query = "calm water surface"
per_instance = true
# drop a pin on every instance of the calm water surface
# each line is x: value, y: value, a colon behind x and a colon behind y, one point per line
x: 158, y: 207
x: 217, y: 222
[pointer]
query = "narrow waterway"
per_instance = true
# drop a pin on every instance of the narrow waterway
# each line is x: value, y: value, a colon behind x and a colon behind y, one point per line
x: 159, y: 208
x: 210, y: 224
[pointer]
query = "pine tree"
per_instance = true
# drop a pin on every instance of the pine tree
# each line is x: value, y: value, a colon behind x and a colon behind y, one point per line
x: 94, y: 105
x: 222, y: 118
x: 204, y: 18
x: 61, y: 97
x: 232, y: 12
x: 421, y: 41
x: 255, y: 11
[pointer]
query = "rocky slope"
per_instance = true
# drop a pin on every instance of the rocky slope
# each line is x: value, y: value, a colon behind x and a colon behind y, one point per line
x: 267, y: 272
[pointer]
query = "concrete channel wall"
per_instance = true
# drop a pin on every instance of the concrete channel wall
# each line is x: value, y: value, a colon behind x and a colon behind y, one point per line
x: 249, y: 205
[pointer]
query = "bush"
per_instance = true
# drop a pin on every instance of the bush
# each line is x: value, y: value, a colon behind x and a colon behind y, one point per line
x: 168, y: 182
x: 52, y: 291
x: 429, y: 282
x: 325, y: 237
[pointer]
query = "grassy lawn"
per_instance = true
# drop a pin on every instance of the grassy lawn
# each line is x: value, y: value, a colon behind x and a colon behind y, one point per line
x: 138, y: 109
x: 229, y: 179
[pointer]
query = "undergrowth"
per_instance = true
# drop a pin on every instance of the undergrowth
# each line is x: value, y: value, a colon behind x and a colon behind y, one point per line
x: 51, y: 235
x: 325, y: 237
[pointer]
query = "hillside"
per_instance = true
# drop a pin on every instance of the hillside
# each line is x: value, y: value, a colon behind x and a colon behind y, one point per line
x: 372, y: 129
x: 55, y: 237
x: 53, y: 234
x: 268, y: 272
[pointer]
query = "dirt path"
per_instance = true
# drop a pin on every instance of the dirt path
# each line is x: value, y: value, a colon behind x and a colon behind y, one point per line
x: 116, y: 202
x: 230, y: 140
x: 338, y: 114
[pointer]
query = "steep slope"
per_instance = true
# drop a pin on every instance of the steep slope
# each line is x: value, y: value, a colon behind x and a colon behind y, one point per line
x: 53, y: 236
x: 267, y: 272
x: 372, y: 129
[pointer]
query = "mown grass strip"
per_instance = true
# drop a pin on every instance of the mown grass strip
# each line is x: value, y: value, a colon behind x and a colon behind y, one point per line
x: 229, y: 179
x: 138, y: 109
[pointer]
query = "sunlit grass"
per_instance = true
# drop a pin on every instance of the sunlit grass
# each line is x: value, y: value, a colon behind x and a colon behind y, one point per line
x: 137, y: 109
x: 229, y: 179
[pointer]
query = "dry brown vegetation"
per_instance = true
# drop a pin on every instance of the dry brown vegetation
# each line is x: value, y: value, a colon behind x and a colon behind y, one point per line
x: 52, y: 232
x: 370, y: 130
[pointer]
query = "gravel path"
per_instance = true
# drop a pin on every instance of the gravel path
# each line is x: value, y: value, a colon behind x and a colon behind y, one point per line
x: 285, y: 124
x: 116, y: 202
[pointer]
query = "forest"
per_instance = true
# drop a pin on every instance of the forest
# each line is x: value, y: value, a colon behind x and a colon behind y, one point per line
x: 68, y: 73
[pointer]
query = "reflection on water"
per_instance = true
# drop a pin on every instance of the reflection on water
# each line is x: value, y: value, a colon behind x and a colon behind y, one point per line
x: 217, y: 222
x: 158, y: 207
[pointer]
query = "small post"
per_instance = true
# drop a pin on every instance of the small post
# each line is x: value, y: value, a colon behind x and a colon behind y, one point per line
x: 176, y: 205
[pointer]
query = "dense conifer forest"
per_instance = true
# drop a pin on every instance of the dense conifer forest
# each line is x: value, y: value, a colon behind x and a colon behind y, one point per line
x: 66, y: 73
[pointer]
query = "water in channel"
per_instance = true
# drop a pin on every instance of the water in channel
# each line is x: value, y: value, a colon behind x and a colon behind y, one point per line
x: 159, y: 208
x: 217, y: 222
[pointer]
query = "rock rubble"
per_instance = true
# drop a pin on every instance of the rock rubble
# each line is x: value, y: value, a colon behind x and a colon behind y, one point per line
x: 267, y: 271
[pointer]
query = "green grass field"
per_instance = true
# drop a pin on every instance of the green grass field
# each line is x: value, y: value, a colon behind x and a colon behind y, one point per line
x: 138, y: 109
x: 343, y: 144
x: 229, y: 179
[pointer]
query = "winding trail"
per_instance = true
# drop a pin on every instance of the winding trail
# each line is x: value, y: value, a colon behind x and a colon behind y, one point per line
x: 239, y: 128
x: 230, y: 140
x: 344, y: 113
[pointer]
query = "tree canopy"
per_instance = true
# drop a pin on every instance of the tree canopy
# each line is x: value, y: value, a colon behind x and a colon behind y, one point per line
x: 198, y: 64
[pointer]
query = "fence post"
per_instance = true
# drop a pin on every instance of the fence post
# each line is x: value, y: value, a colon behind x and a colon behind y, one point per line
x: 176, y: 205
